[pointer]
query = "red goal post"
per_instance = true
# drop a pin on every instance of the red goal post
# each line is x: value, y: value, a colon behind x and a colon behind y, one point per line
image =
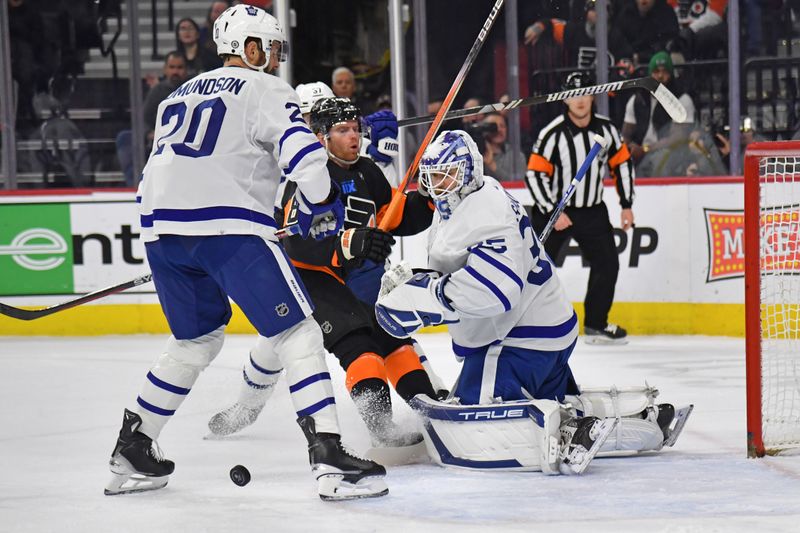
x: 772, y: 297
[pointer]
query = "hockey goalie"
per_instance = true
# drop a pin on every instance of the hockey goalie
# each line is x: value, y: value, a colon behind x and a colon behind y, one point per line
x: 515, y: 405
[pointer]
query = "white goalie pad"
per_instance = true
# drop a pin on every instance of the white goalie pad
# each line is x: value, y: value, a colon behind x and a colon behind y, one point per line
x: 637, y: 413
x: 509, y: 436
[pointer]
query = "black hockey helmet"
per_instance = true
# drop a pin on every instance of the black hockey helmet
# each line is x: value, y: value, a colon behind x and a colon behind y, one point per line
x: 578, y: 80
x: 328, y: 112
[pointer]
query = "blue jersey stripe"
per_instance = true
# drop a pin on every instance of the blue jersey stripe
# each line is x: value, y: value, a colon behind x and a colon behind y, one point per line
x: 300, y: 155
x: 498, y: 265
x: 309, y: 380
x: 153, y: 409
x: 207, y: 213
x: 310, y: 410
x: 253, y: 384
x: 491, y: 286
x: 264, y: 370
x: 288, y: 133
x: 167, y: 386
x: 544, y: 332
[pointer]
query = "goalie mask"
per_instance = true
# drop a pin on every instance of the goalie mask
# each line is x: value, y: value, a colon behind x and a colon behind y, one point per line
x: 329, y: 112
x: 238, y: 23
x: 311, y: 93
x: 451, y: 168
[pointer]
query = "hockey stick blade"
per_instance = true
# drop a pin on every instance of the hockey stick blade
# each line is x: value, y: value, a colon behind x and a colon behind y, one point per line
x: 33, y: 314
x: 599, y: 144
x: 667, y: 99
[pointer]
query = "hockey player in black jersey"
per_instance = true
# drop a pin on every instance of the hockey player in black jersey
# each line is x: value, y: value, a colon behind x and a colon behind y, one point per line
x: 342, y: 274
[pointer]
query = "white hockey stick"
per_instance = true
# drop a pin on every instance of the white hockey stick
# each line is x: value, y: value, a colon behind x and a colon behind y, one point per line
x: 599, y: 144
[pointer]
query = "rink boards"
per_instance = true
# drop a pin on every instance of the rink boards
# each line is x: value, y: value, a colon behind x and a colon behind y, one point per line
x: 681, y: 267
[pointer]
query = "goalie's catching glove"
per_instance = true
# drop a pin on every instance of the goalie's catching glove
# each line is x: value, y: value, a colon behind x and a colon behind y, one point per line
x: 383, y: 145
x: 365, y: 243
x: 418, y: 302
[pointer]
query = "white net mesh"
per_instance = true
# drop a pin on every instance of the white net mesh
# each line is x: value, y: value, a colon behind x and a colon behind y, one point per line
x: 780, y: 301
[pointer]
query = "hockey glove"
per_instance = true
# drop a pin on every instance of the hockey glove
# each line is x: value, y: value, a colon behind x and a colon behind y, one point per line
x: 365, y: 243
x: 394, y: 277
x: 416, y: 303
x: 382, y: 126
x: 303, y: 215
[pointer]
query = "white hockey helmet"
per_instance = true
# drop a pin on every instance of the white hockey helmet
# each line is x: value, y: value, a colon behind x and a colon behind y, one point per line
x: 310, y: 93
x: 240, y: 22
x: 450, y: 169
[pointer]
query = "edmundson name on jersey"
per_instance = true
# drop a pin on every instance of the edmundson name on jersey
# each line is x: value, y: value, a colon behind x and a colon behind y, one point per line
x: 209, y: 86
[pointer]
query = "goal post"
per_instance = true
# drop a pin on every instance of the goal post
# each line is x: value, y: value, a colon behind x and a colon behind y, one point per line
x: 772, y: 297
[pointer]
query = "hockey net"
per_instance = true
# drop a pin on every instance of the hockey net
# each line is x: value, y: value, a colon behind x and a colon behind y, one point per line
x: 772, y: 297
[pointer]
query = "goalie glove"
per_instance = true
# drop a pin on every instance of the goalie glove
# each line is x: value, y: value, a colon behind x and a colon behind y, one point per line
x: 394, y: 277
x: 306, y: 219
x: 382, y: 126
x: 365, y: 243
x: 418, y: 302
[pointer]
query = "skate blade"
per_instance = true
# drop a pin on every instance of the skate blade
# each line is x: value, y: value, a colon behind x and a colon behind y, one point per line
x: 607, y: 425
x: 599, y: 340
x: 131, y: 483
x: 681, y: 416
x: 399, y: 455
x: 333, y: 487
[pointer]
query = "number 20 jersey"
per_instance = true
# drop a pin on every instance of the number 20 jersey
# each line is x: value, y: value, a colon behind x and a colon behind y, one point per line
x: 221, y: 142
x: 501, y: 282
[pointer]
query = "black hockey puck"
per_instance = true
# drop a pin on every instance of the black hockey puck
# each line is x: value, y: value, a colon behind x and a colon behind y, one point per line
x: 240, y: 475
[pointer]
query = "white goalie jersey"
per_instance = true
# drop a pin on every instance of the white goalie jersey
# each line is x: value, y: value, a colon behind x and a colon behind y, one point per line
x: 503, y: 288
x: 252, y: 124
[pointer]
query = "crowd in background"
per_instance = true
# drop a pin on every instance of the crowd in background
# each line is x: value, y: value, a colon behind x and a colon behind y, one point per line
x: 645, y: 37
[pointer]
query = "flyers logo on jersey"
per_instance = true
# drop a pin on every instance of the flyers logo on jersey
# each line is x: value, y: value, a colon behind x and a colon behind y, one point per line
x: 780, y: 242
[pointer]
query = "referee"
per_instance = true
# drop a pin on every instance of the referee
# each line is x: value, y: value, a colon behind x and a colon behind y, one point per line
x: 559, y: 151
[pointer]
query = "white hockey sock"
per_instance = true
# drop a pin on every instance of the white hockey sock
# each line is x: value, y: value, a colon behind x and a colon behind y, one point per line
x: 260, y: 374
x: 303, y: 356
x: 171, y: 378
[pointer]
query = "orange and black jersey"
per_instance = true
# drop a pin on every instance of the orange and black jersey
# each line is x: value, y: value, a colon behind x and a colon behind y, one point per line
x: 366, y: 194
x: 560, y: 150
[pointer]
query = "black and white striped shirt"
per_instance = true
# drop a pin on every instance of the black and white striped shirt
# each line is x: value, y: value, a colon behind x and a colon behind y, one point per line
x: 560, y: 150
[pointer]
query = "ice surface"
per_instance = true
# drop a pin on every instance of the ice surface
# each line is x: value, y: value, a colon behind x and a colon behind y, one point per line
x: 61, y: 402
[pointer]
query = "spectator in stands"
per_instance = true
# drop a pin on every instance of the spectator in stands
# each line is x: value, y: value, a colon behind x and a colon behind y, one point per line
x: 648, y: 26
x: 26, y: 30
x: 473, y: 119
x: 174, y: 74
x: 576, y: 38
x: 498, y: 155
x: 703, y: 32
x: 198, y: 59
x: 748, y: 135
x: 647, y: 127
x: 214, y: 11
x: 343, y: 83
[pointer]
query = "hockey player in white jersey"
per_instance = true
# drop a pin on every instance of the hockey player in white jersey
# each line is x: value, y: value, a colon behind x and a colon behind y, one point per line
x: 222, y: 141
x: 510, y: 321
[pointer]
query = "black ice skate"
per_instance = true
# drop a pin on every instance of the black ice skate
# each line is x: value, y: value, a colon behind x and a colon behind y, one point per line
x: 581, y: 439
x: 611, y: 334
x: 392, y: 446
x: 136, y: 463
x: 340, y: 474
x: 671, y: 421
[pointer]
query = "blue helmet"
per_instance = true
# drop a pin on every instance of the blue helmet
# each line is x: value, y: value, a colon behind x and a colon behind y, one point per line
x: 451, y: 168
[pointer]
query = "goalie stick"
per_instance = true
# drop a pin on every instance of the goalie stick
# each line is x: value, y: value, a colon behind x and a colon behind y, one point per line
x: 33, y: 314
x: 664, y: 96
x: 396, y: 201
x: 599, y: 144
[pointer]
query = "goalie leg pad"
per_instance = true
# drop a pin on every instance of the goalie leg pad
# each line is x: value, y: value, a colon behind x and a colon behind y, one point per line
x: 515, y: 436
x: 172, y: 376
x: 302, y: 354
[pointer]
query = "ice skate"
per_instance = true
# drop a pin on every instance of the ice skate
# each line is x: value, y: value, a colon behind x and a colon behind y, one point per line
x: 611, y: 334
x: 581, y: 439
x: 340, y: 474
x: 393, y: 446
x: 672, y: 421
x: 233, y: 419
x: 136, y: 462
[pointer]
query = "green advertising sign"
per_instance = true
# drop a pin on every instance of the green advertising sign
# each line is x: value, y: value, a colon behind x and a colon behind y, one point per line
x: 35, y: 249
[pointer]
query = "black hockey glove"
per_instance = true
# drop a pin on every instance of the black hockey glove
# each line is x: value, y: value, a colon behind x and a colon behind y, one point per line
x: 367, y: 243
